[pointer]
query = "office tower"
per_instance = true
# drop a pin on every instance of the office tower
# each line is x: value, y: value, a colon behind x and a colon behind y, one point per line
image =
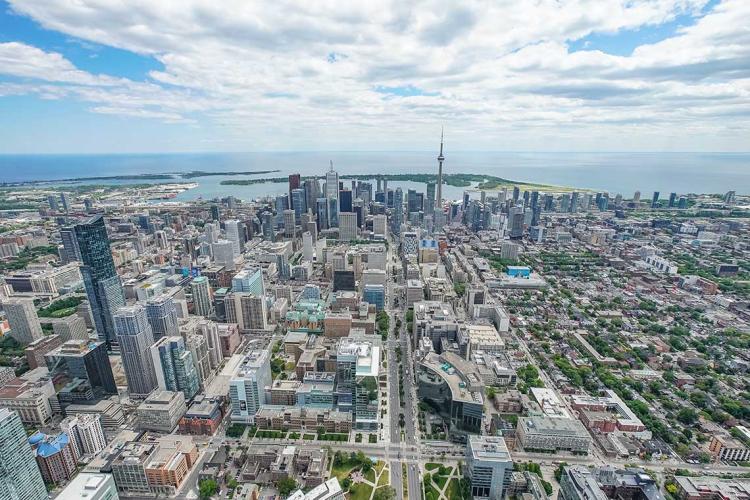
x: 516, y: 194
x: 672, y: 199
x: 398, y: 210
x: 90, y: 486
x: 70, y: 245
x: 565, y: 203
x: 66, y: 202
x: 430, y: 203
x: 347, y: 226
x: 440, y: 159
x: 333, y: 212
x: 201, y: 291
x: 223, y: 253
x: 379, y: 225
x: 174, y: 367
x: 247, y: 310
x: 162, y: 316
x: 488, y: 463
x: 249, y: 280
x: 574, y: 202
x: 294, y: 183
x: 345, y: 201
x: 516, y: 223
x: 52, y: 201
x: 322, y: 213
x: 88, y: 204
x: 374, y: 294
x: 683, y: 203
x: 268, y: 232
x: 20, y: 478
x: 212, y: 231
x: 307, y: 246
x: 232, y: 230
x: 247, y: 388
x: 332, y: 183
x: 289, y: 223
x: 299, y: 203
x: 85, y: 360
x: 655, y: 200
x: 636, y: 196
x: 103, y: 287
x: 135, y: 337
x: 729, y: 197
x: 70, y: 328
x: 23, y: 320
x: 312, y: 193
x: 215, y: 212
x: 85, y: 433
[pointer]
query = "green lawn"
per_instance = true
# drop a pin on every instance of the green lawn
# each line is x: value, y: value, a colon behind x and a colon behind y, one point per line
x: 308, y: 437
x: 440, y: 481
x: 370, y: 475
x: 384, y: 479
x: 435, y: 493
x: 453, y: 492
x: 360, y: 491
x: 431, y: 466
x: 342, y: 471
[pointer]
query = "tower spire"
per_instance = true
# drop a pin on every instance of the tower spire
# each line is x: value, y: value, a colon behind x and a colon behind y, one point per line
x: 439, y: 193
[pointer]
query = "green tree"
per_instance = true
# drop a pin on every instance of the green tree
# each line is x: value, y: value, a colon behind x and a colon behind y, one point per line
x: 208, y: 488
x: 286, y: 486
x: 384, y: 493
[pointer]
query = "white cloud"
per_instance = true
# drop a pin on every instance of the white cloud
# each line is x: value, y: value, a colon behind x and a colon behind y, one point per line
x: 499, y: 73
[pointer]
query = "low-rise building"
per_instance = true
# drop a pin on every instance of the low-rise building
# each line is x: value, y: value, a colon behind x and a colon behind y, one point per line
x: 550, y: 434
x: 161, y: 411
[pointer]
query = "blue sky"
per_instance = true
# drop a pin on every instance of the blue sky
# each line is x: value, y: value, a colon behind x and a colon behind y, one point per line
x: 186, y: 76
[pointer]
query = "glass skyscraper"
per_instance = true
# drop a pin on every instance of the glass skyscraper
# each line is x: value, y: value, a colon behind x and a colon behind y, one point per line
x: 103, y: 286
x: 175, y: 370
x: 20, y: 477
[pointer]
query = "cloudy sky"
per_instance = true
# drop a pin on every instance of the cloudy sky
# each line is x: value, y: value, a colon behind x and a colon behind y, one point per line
x: 504, y: 75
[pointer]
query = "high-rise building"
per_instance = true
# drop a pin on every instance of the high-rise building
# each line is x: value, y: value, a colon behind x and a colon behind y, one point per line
x: 268, y: 229
x: 398, y: 210
x: 440, y: 159
x: 55, y: 456
x: 289, y: 223
x: 70, y: 252
x: 312, y: 193
x: 347, y: 226
x: 489, y: 466
x: 103, y: 286
x: 85, y: 360
x: 232, y: 230
x: 345, y: 201
x: 247, y: 387
x: 201, y: 291
x: 294, y: 183
x: 20, y: 478
x: 135, y: 337
x: 307, y: 246
x: 333, y: 212
x: 174, y: 367
x: 332, y: 183
x: 322, y: 213
x: 85, y: 432
x: 672, y: 199
x: 70, y: 327
x: 249, y: 280
x: 299, y: 202
x: 516, y: 223
x: 23, y: 320
x: 655, y: 200
x: 247, y: 310
x: 162, y: 316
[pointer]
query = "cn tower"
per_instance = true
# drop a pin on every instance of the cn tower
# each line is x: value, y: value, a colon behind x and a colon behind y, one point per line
x: 439, y: 194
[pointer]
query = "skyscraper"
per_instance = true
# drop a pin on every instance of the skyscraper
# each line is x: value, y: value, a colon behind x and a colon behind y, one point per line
x: 312, y: 193
x: 103, y: 287
x: 347, y: 226
x: 247, y: 388
x: 201, y: 291
x: 249, y: 280
x: 162, y: 316
x: 333, y: 212
x: 294, y: 183
x: 20, y: 478
x: 71, y: 252
x: 332, y: 183
x: 232, y: 229
x: 655, y: 200
x: 345, y: 201
x: 322, y: 213
x: 299, y: 203
x: 85, y: 360
x: 85, y: 432
x: 398, y: 210
x: 135, y: 337
x: 24, y: 322
x: 174, y: 367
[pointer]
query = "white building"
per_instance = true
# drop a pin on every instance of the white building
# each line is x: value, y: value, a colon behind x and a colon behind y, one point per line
x: 347, y: 226
x: 247, y: 388
x: 86, y: 433
x: 90, y: 486
x: 489, y: 465
x: 379, y: 225
x: 24, y: 322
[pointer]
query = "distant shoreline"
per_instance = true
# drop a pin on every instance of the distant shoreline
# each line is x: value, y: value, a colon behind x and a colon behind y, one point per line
x: 130, y: 177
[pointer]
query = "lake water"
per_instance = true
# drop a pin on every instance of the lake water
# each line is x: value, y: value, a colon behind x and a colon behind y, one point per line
x: 614, y: 172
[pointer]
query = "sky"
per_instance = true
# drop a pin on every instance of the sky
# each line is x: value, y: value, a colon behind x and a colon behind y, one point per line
x: 104, y: 76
